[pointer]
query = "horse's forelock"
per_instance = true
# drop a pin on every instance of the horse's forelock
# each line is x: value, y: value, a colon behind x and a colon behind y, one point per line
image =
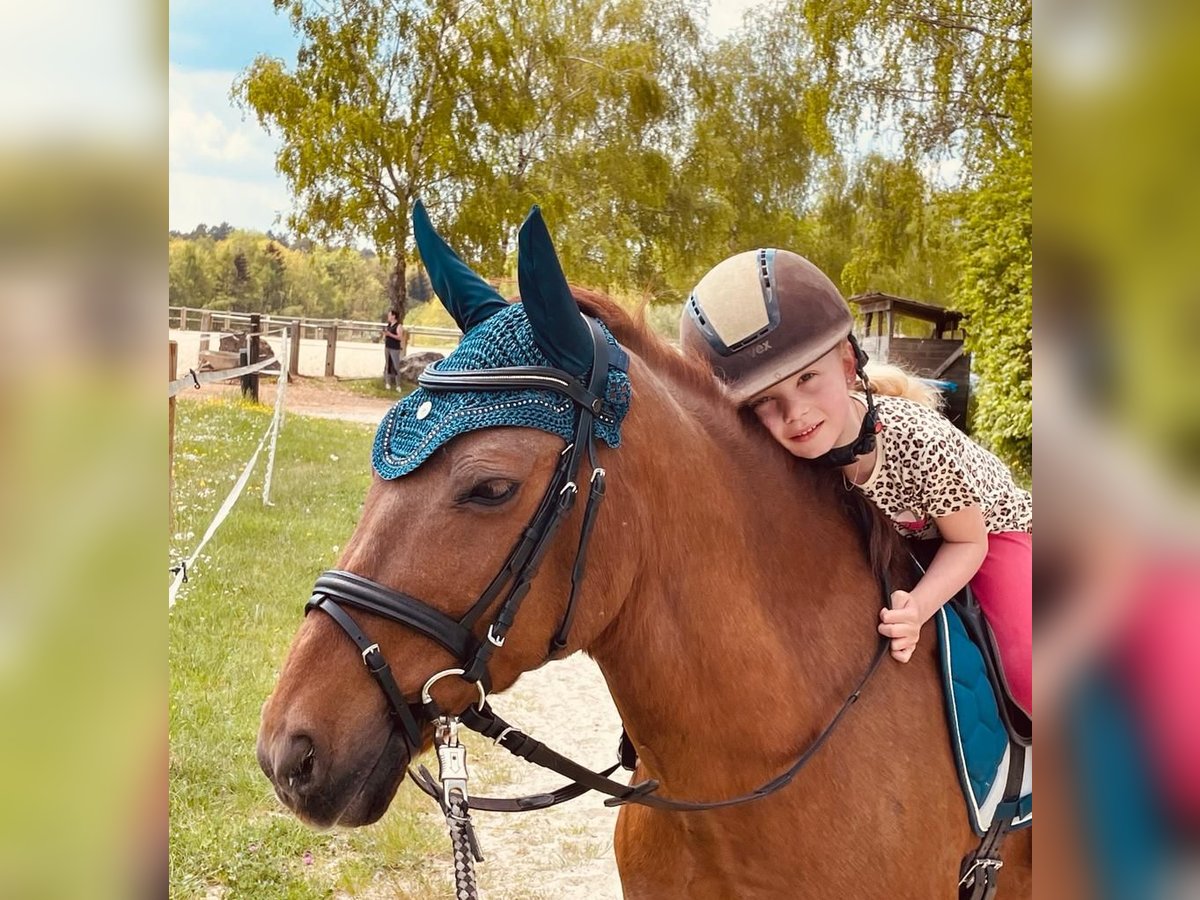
x: 635, y: 335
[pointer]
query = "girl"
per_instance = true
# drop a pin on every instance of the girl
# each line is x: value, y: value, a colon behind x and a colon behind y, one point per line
x: 778, y: 332
x: 393, y: 342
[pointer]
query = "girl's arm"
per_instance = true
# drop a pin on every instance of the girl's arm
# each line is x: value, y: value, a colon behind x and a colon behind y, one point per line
x: 964, y: 546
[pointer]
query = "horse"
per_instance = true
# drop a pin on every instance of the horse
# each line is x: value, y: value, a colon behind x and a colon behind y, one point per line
x: 729, y: 601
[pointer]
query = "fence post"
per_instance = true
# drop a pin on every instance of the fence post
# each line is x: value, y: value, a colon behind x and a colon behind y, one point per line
x: 206, y: 330
x: 331, y: 335
x: 250, y: 382
x: 293, y: 350
x: 172, y: 366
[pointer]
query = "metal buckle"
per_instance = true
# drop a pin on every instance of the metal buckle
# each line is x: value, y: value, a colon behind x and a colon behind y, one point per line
x: 984, y: 863
x: 501, y: 735
x: 491, y: 636
x: 452, y: 761
x: 372, y: 648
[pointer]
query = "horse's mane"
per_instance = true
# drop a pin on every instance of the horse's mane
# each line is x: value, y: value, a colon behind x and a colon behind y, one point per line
x: 685, y: 371
x: 694, y: 376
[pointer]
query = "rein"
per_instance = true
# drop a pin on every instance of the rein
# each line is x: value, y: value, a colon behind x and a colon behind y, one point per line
x: 336, y: 589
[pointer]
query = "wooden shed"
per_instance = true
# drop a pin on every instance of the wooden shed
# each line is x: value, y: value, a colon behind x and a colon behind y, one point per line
x: 938, y: 354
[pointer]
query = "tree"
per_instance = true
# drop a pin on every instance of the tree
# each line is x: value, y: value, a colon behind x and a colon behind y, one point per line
x: 373, y: 115
x: 894, y: 231
x: 745, y: 178
x: 996, y: 293
x: 946, y: 74
x: 190, y: 281
x: 953, y: 78
x: 477, y: 108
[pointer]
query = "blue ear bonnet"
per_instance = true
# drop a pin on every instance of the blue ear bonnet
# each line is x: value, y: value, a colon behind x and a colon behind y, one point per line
x: 425, y: 420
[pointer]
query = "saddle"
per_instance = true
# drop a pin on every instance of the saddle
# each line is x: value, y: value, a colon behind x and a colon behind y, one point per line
x: 991, y: 738
x: 1016, y: 721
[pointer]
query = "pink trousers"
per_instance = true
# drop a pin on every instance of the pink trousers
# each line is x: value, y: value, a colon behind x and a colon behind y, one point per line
x: 1004, y: 587
x: 1158, y: 650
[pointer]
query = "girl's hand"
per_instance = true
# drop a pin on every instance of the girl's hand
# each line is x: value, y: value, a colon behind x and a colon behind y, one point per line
x: 902, y: 624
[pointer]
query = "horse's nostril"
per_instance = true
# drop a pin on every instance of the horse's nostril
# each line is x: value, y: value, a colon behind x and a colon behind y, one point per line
x: 304, y: 772
x: 296, y: 762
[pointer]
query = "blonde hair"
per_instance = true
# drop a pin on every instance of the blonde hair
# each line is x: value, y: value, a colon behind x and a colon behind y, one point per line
x: 893, y: 381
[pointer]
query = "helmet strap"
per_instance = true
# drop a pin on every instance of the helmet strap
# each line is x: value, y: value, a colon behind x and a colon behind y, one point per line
x: 865, y: 442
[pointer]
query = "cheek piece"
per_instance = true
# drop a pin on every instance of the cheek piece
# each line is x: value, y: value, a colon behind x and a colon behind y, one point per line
x: 865, y: 442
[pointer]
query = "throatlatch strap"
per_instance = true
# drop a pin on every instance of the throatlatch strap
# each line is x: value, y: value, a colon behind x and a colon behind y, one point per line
x: 595, y: 496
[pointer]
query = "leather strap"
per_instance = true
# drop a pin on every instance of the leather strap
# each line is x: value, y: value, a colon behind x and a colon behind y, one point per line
x: 379, y: 669
x: 486, y: 722
x: 367, y: 595
x: 979, y: 873
x: 425, y: 781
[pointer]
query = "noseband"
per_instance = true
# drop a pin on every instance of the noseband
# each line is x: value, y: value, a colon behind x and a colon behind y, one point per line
x: 336, y: 589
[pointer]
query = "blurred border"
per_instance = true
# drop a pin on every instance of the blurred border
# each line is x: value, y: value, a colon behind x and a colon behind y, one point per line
x: 1118, y: 436
x: 83, y: 763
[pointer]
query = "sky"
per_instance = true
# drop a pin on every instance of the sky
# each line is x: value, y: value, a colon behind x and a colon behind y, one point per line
x: 222, y: 163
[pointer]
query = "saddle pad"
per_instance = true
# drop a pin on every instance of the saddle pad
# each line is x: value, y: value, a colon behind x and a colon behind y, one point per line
x: 980, y: 744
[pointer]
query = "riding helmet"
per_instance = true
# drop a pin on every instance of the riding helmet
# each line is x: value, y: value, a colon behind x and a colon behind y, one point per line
x: 762, y: 315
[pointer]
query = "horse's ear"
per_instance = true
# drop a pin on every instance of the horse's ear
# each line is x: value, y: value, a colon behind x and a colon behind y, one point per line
x: 466, y: 296
x: 558, y: 326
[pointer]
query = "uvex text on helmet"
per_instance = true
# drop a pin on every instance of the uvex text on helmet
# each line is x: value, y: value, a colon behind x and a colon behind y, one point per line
x: 761, y: 316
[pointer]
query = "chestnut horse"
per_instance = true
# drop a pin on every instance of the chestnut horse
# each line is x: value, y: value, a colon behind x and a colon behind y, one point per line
x: 729, y: 603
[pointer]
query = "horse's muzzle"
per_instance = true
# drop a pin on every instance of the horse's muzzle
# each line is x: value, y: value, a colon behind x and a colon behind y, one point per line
x: 323, y: 791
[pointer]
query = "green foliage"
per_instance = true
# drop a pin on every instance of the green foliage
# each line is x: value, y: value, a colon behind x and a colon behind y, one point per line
x: 996, y: 292
x: 952, y: 79
x: 883, y: 228
x: 867, y: 136
x: 947, y: 74
x: 250, y: 272
x: 477, y: 109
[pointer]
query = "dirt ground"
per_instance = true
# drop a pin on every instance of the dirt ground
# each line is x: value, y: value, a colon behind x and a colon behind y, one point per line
x: 560, y: 853
x: 318, y: 397
x: 564, y: 852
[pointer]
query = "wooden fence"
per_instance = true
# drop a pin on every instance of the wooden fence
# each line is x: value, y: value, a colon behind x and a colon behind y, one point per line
x: 355, y: 334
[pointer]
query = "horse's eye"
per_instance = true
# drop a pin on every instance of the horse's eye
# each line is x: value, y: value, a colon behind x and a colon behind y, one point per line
x: 491, y: 492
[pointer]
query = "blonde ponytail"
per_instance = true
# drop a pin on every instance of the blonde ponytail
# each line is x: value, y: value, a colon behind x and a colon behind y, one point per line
x: 893, y: 381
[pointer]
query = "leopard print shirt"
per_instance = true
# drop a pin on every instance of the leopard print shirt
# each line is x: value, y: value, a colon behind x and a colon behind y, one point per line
x: 926, y: 468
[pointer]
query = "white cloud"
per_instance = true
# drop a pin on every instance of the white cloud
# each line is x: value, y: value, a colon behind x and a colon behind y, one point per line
x: 222, y: 168
x: 213, y: 199
x: 208, y: 133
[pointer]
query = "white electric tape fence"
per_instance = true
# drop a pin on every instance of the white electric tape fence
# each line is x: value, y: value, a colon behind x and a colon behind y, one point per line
x: 185, y: 569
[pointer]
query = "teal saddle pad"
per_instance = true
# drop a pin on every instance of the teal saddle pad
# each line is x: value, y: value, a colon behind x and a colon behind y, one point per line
x: 982, y: 750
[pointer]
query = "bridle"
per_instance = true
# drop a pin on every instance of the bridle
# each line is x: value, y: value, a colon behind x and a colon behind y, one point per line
x: 336, y: 589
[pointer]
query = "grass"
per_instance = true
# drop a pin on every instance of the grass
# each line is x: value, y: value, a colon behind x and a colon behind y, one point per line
x: 374, y: 387
x: 228, y: 635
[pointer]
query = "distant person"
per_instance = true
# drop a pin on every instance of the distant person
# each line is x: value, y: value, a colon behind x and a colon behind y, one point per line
x: 393, y: 344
